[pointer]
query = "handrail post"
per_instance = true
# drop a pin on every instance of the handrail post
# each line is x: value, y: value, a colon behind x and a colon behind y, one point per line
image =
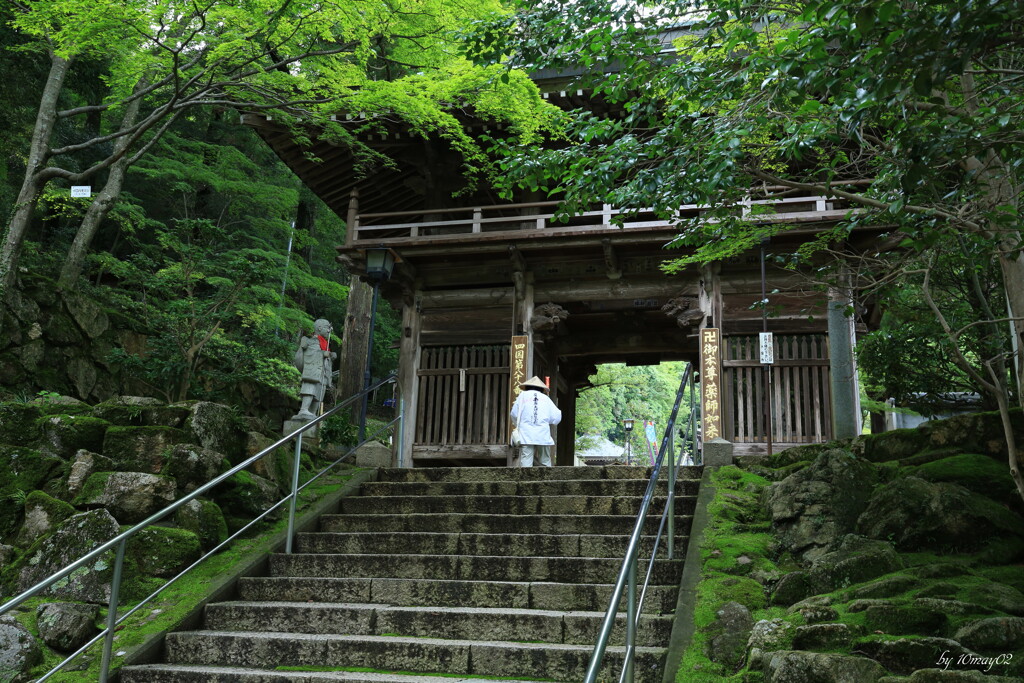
x: 115, y: 596
x: 671, y: 503
x: 295, y: 493
x: 631, y: 618
x: 400, y: 437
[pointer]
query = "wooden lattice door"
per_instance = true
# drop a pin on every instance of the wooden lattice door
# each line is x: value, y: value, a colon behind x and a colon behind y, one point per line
x: 462, y: 410
x: 800, y: 394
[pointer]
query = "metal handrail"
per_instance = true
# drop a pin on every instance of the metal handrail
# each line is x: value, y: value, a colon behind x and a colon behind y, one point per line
x: 121, y: 540
x: 628, y: 571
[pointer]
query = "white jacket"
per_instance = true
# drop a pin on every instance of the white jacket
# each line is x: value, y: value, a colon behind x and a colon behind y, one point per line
x: 532, y: 412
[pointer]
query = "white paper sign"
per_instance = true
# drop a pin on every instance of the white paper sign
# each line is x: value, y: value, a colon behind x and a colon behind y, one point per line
x: 767, y: 348
x: 81, y: 190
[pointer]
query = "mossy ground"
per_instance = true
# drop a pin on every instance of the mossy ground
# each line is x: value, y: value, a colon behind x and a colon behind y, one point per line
x: 741, y: 559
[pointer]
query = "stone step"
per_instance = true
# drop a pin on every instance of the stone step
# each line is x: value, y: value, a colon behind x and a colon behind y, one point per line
x: 536, y: 545
x: 508, y: 505
x: 426, y: 655
x: 565, y: 487
x: 448, y: 623
x: 170, y: 673
x: 524, y: 473
x: 480, y: 568
x: 446, y: 593
x: 439, y: 522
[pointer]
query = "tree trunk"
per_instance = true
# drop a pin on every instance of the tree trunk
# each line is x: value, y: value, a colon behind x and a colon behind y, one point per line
x: 39, y: 152
x: 1013, y: 281
x: 102, y: 204
x: 352, y: 361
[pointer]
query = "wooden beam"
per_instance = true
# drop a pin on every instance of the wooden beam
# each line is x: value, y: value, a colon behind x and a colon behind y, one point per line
x: 627, y: 288
x: 611, y: 260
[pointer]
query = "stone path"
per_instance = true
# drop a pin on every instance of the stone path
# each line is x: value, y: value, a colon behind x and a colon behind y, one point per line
x: 463, y: 573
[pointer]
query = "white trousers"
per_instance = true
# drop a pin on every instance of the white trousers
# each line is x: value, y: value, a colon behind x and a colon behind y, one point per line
x: 526, y: 455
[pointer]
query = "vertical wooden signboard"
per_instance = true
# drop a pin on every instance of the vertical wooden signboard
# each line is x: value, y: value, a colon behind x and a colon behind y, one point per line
x: 710, y: 382
x: 517, y: 368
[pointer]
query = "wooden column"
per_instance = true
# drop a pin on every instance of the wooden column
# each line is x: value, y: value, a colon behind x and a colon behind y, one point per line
x: 408, y: 382
x: 352, y: 358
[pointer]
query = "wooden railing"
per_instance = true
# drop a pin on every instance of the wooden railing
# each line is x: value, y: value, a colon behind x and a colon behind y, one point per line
x: 475, y: 221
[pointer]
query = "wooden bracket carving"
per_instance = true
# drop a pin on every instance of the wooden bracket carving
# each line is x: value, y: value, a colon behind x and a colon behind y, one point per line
x: 685, y: 309
x: 546, y: 318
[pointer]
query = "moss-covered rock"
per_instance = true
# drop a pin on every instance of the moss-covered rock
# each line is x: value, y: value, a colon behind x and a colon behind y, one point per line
x: 973, y: 432
x: 162, y: 551
x: 192, y: 466
x: 205, y: 519
x: 61, y: 405
x: 141, y: 411
x: 75, y: 537
x: 63, y: 435
x: 915, y: 514
x: 130, y: 496
x: 26, y: 469
x: 66, y: 626
x: 797, y: 666
x: 892, y: 445
x: 897, y: 619
x: 905, y: 655
x: 218, y: 428
x: 979, y: 473
x: 856, y: 560
x: 141, y: 449
x: 728, y: 634
x: 19, y: 651
x: 246, y: 495
x: 19, y: 424
x: 813, y: 508
x: 42, y: 515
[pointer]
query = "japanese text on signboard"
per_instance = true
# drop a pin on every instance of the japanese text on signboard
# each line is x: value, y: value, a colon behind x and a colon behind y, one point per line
x: 710, y: 383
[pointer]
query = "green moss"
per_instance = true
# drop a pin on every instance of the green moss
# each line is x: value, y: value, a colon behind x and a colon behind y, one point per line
x: 363, y: 669
x: 161, y: 551
x: 1009, y: 575
x: 19, y: 424
x: 72, y: 432
x: 92, y: 489
x: 57, y: 510
x: 27, y: 470
x: 980, y: 473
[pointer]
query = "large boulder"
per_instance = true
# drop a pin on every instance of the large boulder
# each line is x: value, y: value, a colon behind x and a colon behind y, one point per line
x: 141, y: 411
x: 74, y: 538
x: 19, y: 651
x: 192, y: 466
x: 42, y: 515
x: 141, y: 449
x: 905, y: 655
x: 162, y: 551
x: 205, y: 519
x: 916, y: 515
x: 994, y: 635
x: 728, y: 635
x: 896, y: 619
x: 217, y: 427
x: 66, y: 626
x: 813, y: 507
x: 856, y: 560
x: 63, y: 435
x: 972, y: 432
x: 130, y: 496
x: 246, y: 495
x: 27, y: 469
x: 795, y: 666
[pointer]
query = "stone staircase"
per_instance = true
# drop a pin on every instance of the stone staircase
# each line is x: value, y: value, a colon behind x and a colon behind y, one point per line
x: 461, y: 573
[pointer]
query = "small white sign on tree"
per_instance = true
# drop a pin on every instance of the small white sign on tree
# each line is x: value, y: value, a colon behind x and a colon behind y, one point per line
x: 81, y: 190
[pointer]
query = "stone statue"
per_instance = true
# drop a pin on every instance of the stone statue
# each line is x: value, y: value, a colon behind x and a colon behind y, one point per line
x: 315, y: 360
